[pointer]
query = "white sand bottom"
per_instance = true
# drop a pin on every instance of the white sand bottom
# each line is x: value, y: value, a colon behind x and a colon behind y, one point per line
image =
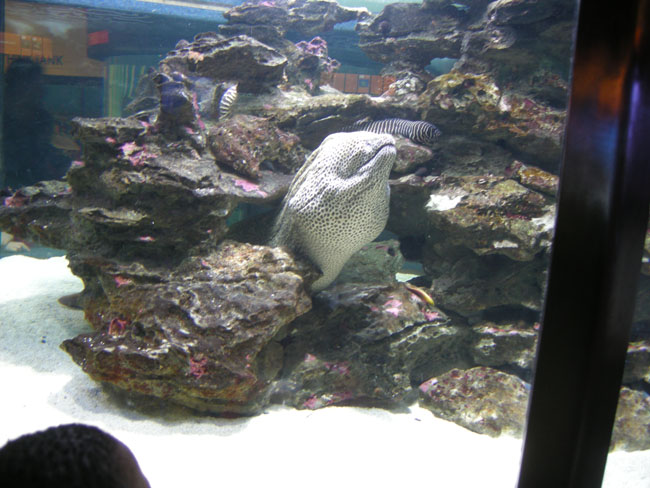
x: 336, y: 446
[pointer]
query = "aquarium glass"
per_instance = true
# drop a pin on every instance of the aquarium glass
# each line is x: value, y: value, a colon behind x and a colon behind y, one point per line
x: 290, y: 240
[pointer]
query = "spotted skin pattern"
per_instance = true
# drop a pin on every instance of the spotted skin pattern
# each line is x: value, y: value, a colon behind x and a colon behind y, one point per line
x: 338, y: 201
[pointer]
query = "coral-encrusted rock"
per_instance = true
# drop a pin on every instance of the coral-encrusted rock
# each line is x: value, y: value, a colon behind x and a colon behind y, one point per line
x: 376, y: 262
x: 632, y: 425
x: 468, y: 284
x: 492, y: 215
x: 509, y: 84
x: 408, y: 33
x: 245, y: 142
x: 510, y: 345
x: 107, y: 131
x: 314, y: 118
x: 366, y: 344
x: 534, y: 178
x: 309, y: 62
x: 491, y: 402
x: 408, y: 199
x: 483, y: 400
x: 256, y: 66
x: 496, y: 218
x: 308, y: 17
x: 202, y: 334
x: 148, y: 197
x: 410, y: 155
x: 473, y: 104
x: 38, y: 213
x: 516, y: 38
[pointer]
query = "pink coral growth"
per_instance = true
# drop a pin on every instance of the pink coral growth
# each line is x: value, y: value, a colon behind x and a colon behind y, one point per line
x: 18, y: 199
x: 317, y: 46
x: 431, y: 315
x: 198, y: 367
x: 428, y: 385
x: 117, y: 327
x: 340, y: 368
x: 122, y: 281
x: 339, y: 397
x: 313, y: 402
x: 146, y: 239
x: 136, y: 155
x: 393, y: 306
x: 248, y: 186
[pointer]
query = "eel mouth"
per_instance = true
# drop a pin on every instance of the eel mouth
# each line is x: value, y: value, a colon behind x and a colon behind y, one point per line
x: 381, y: 151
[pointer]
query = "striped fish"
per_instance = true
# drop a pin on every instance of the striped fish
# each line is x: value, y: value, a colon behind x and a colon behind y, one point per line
x: 228, y: 99
x: 418, y: 131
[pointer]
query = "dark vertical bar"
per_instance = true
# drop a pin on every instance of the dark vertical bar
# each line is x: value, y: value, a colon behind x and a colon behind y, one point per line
x: 600, y: 228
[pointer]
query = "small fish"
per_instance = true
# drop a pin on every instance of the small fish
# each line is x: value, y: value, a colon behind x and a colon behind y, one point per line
x: 419, y: 292
x: 227, y: 101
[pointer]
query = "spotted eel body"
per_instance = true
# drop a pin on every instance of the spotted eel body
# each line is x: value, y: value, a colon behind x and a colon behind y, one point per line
x: 338, y: 201
x: 418, y: 131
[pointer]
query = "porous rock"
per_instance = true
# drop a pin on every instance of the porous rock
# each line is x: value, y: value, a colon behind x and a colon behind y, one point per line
x: 410, y: 34
x: 244, y: 143
x: 410, y: 155
x: 475, y: 104
x: 509, y: 345
x: 148, y: 197
x: 202, y: 334
x: 409, y: 196
x: 376, y: 262
x: 38, y: 213
x: 492, y: 215
x: 256, y: 66
x: 365, y: 344
x: 468, y: 284
x: 480, y: 399
x: 632, y: 424
x: 308, y: 17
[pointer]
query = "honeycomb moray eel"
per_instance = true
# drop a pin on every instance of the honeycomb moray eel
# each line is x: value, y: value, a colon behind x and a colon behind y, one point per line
x: 418, y: 131
x: 338, y: 201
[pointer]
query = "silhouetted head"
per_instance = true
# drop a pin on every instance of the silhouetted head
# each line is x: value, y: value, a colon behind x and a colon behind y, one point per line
x: 24, y: 78
x: 70, y: 456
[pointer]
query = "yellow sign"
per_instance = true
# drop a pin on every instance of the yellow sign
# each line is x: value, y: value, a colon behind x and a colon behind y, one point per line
x: 51, y: 35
